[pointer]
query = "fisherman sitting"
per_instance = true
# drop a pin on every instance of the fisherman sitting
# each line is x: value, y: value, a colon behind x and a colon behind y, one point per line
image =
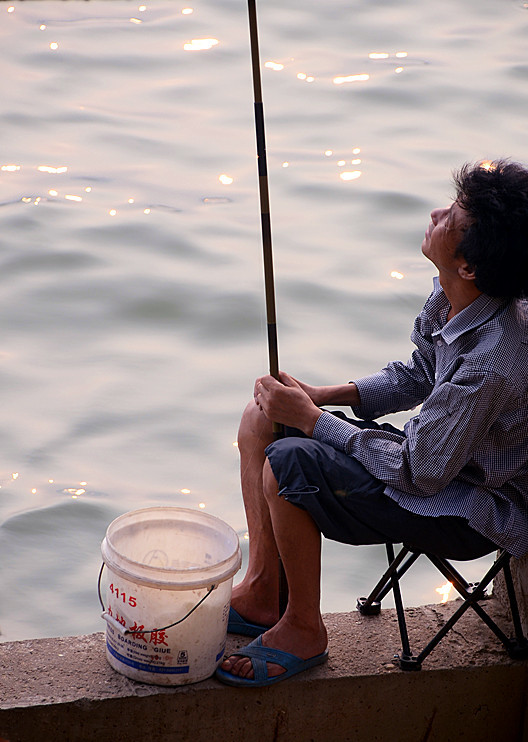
x: 454, y: 482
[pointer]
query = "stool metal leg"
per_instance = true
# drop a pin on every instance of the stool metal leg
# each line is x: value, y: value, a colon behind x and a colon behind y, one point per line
x: 372, y: 605
x: 471, y: 593
x: 406, y: 659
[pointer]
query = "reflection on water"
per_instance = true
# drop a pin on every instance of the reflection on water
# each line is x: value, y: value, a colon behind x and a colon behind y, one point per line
x: 132, y: 293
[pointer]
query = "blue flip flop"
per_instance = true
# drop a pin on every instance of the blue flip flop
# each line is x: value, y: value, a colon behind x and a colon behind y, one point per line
x: 238, y: 625
x: 259, y: 655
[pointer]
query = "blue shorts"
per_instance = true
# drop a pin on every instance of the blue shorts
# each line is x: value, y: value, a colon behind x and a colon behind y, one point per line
x: 348, y: 504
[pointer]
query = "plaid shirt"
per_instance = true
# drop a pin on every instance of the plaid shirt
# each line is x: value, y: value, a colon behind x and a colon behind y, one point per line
x: 466, y: 452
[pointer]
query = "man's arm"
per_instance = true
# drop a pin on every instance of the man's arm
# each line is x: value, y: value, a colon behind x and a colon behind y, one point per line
x: 453, y: 423
x: 337, y: 394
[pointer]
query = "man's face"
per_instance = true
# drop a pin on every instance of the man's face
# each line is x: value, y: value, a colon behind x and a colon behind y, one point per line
x: 443, y: 237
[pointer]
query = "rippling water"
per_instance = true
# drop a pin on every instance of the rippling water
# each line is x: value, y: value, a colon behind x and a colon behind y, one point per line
x: 132, y: 295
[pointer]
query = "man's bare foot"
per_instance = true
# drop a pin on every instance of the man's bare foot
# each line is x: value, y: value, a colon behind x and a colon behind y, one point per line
x: 304, y: 643
x: 254, y: 606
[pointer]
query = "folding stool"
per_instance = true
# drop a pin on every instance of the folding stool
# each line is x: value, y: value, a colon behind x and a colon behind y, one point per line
x: 471, y: 593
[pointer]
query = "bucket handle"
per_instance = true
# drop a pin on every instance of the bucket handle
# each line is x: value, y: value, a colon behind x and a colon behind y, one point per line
x: 112, y: 620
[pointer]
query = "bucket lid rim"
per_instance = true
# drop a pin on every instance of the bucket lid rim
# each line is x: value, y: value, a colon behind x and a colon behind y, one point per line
x: 162, y: 570
x: 229, y: 567
x: 234, y: 556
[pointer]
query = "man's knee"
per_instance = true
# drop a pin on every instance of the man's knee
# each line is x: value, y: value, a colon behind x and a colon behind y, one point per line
x: 254, y: 426
x: 270, y: 485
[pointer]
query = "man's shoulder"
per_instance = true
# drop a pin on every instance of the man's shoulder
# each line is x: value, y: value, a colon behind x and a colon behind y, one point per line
x: 500, y: 345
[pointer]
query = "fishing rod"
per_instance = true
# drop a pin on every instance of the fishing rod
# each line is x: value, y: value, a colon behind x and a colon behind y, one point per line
x: 265, y: 219
x: 264, y: 197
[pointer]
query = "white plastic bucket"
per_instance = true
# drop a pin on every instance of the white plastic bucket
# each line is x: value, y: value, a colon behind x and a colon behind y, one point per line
x: 162, y: 563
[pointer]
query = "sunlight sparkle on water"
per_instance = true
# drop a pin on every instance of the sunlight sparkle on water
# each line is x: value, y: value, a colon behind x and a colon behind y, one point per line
x: 274, y: 66
x: 225, y: 179
x: 397, y: 274
x: 444, y: 591
x: 378, y: 55
x: 350, y: 175
x: 10, y: 168
x: 185, y: 491
x: 53, y: 45
x: 71, y: 197
x: 53, y: 170
x: 74, y: 491
x: 350, y: 78
x: 187, y: 11
x: 200, y: 44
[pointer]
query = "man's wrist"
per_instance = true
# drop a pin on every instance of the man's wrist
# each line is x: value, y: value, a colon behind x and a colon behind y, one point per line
x: 341, y: 394
x: 309, y: 425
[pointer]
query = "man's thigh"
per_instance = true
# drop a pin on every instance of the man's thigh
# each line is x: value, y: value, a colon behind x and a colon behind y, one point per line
x: 348, y: 504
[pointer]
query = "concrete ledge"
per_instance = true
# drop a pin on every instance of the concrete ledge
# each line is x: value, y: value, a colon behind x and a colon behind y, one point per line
x: 63, y: 690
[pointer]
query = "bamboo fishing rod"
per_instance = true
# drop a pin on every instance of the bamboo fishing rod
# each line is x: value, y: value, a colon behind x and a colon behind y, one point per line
x: 264, y: 195
x: 265, y: 219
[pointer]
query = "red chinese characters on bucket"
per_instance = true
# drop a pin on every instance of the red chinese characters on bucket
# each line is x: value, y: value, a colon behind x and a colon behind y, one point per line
x: 138, y: 632
x: 157, y: 638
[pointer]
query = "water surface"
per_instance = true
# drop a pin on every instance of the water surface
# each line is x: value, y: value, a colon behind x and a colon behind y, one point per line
x: 132, y: 302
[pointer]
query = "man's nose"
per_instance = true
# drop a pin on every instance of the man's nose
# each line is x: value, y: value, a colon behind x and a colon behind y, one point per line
x: 437, y: 213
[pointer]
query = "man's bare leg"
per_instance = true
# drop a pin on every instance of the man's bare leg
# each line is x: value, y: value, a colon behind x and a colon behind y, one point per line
x: 256, y: 597
x: 300, y: 631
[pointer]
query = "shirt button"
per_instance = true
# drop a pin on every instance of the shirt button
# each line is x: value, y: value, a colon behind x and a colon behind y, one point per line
x: 439, y: 343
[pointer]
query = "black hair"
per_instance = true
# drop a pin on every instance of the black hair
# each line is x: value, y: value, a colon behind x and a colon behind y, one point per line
x: 495, y: 244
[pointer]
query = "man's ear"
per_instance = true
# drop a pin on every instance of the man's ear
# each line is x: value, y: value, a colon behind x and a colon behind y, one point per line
x: 466, y: 272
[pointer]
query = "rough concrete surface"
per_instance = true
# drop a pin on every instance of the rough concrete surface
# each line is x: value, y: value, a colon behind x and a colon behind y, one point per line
x: 469, y: 689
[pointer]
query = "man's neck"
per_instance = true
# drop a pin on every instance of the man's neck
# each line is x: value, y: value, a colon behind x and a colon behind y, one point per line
x: 460, y: 295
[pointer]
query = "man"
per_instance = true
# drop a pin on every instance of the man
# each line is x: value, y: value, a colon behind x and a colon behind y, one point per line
x: 454, y: 482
